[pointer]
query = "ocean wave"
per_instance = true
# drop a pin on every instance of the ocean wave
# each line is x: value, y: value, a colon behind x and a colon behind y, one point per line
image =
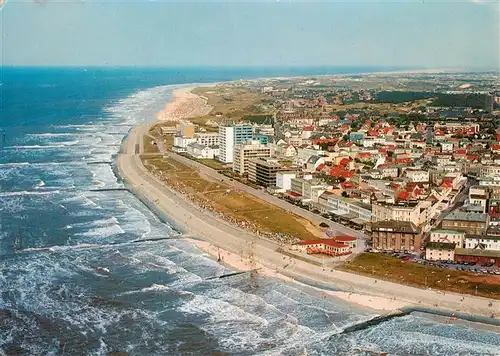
x: 15, y: 164
x: 159, y: 288
x: 34, y: 147
x: 25, y: 192
x: 61, y: 248
x: 37, y: 164
x: 103, y: 231
x: 51, y: 134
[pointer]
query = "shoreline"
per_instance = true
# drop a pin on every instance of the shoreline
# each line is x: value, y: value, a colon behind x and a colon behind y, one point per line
x: 244, y: 264
x: 184, y: 105
x: 368, y: 292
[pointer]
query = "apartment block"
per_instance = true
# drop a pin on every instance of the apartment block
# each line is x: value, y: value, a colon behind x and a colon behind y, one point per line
x: 243, y: 153
x: 208, y: 138
x: 483, y: 242
x: 449, y: 236
x: 396, y: 236
x: 471, y: 223
x: 262, y: 171
x: 440, y: 251
x: 231, y: 135
x: 331, y: 203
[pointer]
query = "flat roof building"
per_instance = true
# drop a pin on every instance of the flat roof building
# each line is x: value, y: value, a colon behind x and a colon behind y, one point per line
x: 244, y: 152
x: 263, y: 171
x: 395, y: 235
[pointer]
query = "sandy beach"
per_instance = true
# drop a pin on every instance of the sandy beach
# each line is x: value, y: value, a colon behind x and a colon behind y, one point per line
x: 244, y: 264
x: 184, y: 105
x: 243, y: 250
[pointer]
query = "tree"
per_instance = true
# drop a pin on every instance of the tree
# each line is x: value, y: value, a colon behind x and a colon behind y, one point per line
x: 345, y: 195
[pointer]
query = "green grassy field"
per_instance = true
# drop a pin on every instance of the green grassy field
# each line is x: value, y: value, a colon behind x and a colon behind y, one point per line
x: 238, y: 205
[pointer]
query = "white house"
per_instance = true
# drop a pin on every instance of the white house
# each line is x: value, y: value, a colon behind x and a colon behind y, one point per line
x: 183, y: 142
x: 314, y: 162
x: 486, y: 242
x: 303, y: 154
x: 448, y: 236
x: 201, y: 151
x: 284, y: 180
x: 417, y: 176
x: 439, y: 251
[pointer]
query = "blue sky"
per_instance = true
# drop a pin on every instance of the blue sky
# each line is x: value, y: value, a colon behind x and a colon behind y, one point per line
x: 423, y: 34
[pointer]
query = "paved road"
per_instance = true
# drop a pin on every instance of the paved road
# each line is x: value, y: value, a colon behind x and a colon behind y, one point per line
x: 198, y: 223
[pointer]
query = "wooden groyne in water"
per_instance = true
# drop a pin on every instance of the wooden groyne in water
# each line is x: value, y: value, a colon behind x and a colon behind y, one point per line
x: 428, y: 310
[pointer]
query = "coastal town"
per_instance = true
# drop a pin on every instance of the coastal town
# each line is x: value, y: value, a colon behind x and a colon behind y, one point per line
x: 389, y: 169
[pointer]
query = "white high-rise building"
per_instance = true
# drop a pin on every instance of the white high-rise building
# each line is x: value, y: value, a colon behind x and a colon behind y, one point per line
x: 226, y: 144
x: 231, y: 135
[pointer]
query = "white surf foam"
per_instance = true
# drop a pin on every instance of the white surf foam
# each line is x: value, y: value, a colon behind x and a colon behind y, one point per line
x: 103, y: 231
x: 32, y: 147
x: 47, y: 134
x: 27, y: 193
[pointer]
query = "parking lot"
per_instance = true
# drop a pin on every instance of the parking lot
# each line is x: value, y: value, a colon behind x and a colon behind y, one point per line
x: 459, y: 266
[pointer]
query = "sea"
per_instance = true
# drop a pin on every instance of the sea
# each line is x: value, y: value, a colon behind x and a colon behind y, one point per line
x: 74, y: 282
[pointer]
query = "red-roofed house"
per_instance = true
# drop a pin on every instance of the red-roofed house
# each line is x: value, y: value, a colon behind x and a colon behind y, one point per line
x: 323, y: 246
x: 404, y: 161
x: 339, y: 171
x: 403, y: 196
x: 446, y: 184
x: 347, y: 185
x: 495, y: 148
x: 345, y: 161
x: 348, y: 240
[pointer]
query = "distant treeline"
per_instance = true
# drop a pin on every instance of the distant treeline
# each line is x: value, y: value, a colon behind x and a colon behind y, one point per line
x: 401, y: 96
x: 475, y: 101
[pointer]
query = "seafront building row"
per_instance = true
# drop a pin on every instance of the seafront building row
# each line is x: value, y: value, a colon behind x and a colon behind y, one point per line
x: 414, y: 187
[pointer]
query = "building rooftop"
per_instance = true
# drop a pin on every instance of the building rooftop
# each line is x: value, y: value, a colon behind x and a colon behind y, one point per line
x: 344, y: 238
x: 330, y: 242
x: 265, y: 162
x: 466, y: 216
x: 198, y: 146
x: 313, y: 159
x: 476, y: 252
x: 447, y: 231
x: 478, y: 196
x: 396, y: 226
x: 440, y: 245
x: 288, y: 172
x: 482, y: 237
x: 354, y: 202
x: 474, y: 208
